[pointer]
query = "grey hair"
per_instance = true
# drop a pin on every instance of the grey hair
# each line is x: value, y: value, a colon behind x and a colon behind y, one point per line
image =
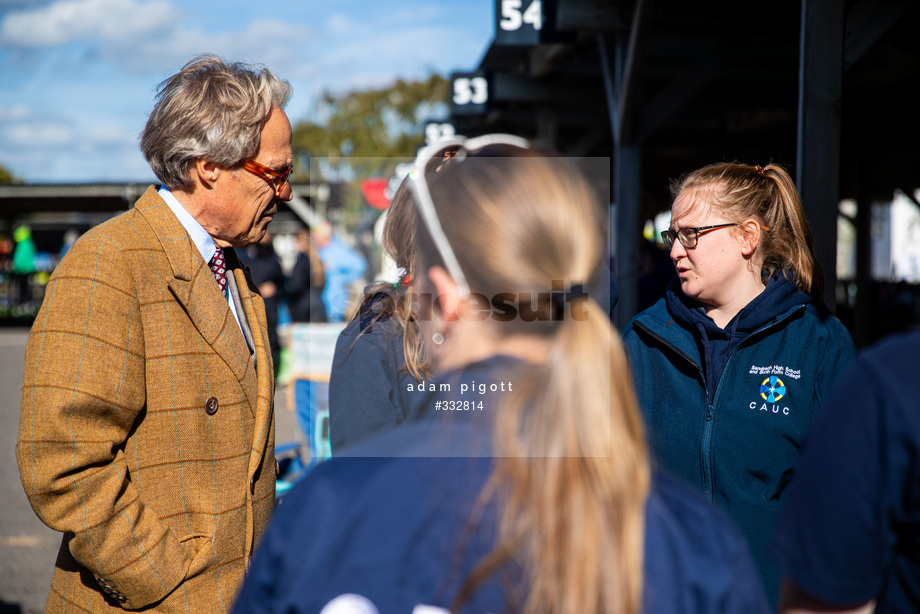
x: 210, y: 109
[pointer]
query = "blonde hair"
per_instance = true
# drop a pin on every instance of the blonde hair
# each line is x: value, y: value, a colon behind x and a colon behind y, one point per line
x: 767, y: 194
x: 209, y: 109
x: 571, y: 464
x: 399, y: 243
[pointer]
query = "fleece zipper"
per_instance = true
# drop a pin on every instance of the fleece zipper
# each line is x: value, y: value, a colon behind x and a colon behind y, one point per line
x: 706, y: 469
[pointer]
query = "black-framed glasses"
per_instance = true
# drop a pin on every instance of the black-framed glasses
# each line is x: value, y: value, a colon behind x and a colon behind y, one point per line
x: 689, y: 237
x: 280, y: 181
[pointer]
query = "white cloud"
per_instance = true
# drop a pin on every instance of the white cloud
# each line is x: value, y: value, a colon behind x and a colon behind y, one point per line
x: 79, y: 20
x: 15, y: 112
x: 110, y: 135
x: 31, y: 135
x: 22, y: 129
x: 33, y: 143
x: 375, y: 56
x: 146, y: 37
x: 269, y: 42
x: 48, y: 149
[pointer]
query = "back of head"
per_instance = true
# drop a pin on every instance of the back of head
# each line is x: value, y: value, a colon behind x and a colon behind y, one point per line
x: 399, y: 230
x: 321, y: 233
x: 767, y: 195
x: 210, y: 109
x: 517, y: 222
x: 399, y: 244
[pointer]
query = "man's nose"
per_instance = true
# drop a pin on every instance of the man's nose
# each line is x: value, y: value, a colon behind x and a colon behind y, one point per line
x: 286, y: 193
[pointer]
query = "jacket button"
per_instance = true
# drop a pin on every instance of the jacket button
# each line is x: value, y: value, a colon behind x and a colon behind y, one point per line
x: 210, y: 406
x: 277, y: 469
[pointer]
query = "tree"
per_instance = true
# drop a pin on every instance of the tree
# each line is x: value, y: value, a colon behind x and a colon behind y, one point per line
x: 365, y: 132
x: 7, y: 177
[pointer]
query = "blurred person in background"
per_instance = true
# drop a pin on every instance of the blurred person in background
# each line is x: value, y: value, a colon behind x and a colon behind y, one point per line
x: 540, y: 497
x: 6, y: 286
x: 343, y: 267
x: 306, y: 282
x: 70, y: 237
x: 23, y: 264
x: 732, y: 365
x: 265, y: 270
x: 146, y: 431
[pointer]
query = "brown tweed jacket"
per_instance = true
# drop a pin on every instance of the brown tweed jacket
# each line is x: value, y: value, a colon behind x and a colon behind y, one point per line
x: 146, y: 430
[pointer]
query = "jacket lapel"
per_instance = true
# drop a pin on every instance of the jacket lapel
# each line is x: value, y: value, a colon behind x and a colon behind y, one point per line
x: 192, y: 283
x: 254, y: 307
x: 251, y: 310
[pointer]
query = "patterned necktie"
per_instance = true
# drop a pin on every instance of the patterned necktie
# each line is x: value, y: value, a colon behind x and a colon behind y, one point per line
x: 219, y: 268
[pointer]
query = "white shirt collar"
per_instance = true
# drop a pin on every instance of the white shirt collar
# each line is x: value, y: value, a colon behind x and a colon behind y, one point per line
x: 196, y: 231
x: 200, y: 237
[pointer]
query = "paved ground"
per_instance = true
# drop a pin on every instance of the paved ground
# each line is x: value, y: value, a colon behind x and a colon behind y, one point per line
x: 27, y: 547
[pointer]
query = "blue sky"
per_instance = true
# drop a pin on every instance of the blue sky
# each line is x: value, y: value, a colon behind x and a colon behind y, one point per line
x: 78, y: 77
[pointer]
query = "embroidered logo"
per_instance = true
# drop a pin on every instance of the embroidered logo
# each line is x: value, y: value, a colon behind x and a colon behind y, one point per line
x: 772, y: 389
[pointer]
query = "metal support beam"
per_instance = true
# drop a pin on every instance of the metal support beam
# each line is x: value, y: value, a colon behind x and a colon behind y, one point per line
x: 610, y: 70
x: 302, y: 210
x: 863, y: 269
x: 627, y: 170
x: 632, y: 70
x: 818, y: 152
x: 621, y: 84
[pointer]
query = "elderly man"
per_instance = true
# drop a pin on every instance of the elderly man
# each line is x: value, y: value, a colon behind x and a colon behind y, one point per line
x: 146, y: 429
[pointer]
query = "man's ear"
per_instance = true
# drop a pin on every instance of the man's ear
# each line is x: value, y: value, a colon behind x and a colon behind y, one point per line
x: 447, y: 295
x: 206, y: 172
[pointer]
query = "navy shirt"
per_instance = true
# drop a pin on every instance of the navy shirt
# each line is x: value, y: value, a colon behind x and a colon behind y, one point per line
x: 368, y: 387
x: 396, y: 531
x: 850, y: 528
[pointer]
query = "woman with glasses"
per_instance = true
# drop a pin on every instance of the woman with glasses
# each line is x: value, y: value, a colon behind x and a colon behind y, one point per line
x: 732, y: 365
x: 525, y: 486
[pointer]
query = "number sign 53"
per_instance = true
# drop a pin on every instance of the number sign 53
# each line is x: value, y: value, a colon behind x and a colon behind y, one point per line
x: 470, y: 90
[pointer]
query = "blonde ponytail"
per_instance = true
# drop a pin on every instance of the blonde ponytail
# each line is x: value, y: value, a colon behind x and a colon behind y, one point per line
x: 571, y: 469
x: 793, y: 245
x: 574, y: 482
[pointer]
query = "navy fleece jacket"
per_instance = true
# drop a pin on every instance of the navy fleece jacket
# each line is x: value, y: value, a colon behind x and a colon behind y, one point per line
x: 727, y: 410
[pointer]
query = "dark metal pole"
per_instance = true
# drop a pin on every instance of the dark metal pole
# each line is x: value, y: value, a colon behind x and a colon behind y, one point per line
x: 818, y: 155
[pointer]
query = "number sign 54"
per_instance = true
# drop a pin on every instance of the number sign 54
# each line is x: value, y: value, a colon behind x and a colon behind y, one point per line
x: 514, y: 18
